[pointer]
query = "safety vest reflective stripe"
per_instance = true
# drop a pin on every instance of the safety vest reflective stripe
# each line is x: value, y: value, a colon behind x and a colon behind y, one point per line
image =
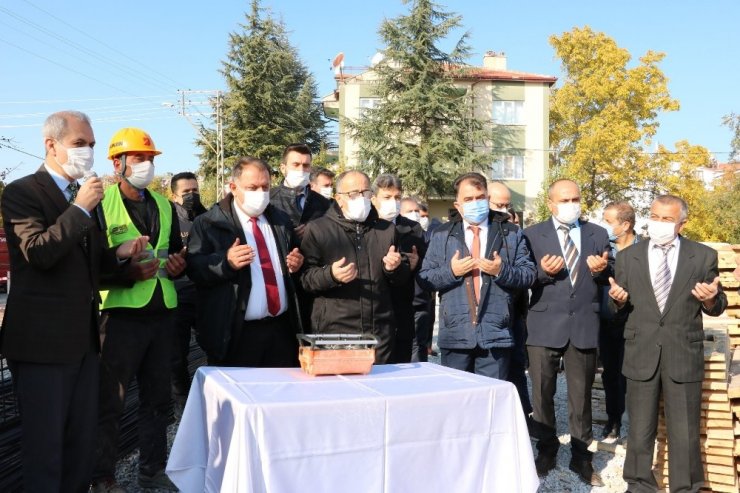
x: 121, y: 229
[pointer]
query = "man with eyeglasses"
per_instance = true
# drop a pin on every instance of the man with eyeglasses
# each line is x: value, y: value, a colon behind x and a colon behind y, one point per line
x: 351, y: 261
x: 499, y: 199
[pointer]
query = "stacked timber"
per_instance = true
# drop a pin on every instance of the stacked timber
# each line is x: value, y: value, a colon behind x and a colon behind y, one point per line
x: 717, y: 435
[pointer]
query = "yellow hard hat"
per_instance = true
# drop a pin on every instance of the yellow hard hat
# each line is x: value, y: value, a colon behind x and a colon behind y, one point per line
x: 131, y: 140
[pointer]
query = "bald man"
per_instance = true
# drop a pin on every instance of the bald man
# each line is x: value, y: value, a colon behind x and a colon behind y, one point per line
x: 352, y: 258
x: 499, y: 199
x: 573, y: 259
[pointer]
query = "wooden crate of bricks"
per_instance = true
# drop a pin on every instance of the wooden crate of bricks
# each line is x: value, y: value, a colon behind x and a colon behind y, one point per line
x: 717, y: 425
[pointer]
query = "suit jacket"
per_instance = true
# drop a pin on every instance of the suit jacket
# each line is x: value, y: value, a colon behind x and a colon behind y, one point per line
x: 410, y: 235
x: 677, y: 334
x: 558, y: 312
x: 314, y: 207
x: 223, y: 292
x: 51, y: 312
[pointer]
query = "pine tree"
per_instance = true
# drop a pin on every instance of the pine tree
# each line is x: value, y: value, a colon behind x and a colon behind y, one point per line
x: 422, y: 129
x: 271, y: 97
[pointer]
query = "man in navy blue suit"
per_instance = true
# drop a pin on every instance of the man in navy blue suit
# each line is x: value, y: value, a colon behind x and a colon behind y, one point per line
x: 572, y: 258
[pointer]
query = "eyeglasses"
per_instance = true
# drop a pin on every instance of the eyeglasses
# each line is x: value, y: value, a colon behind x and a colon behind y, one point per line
x: 356, y: 193
x: 502, y: 205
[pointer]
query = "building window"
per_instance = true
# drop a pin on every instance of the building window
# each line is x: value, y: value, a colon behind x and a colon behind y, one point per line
x: 508, y: 168
x: 368, y: 103
x: 508, y: 112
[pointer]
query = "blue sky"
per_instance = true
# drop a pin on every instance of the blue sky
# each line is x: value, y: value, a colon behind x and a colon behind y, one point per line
x: 122, y: 63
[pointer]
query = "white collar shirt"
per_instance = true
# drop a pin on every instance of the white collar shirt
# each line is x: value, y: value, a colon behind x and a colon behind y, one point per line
x: 655, y: 257
x: 483, y: 234
x: 257, y: 302
x: 575, y: 235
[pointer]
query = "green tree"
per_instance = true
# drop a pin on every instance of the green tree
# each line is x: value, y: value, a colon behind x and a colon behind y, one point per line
x: 423, y: 129
x: 675, y: 172
x: 732, y: 121
x: 604, y: 114
x: 271, y: 97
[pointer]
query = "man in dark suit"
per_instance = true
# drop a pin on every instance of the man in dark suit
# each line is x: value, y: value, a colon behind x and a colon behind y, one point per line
x: 664, y: 285
x: 294, y: 196
x: 572, y: 257
x: 387, y: 191
x: 301, y: 203
x: 50, y: 329
x: 242, y: 257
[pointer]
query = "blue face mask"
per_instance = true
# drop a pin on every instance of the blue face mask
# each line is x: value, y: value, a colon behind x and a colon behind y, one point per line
x: 475, y: 212
x: 609, y: 231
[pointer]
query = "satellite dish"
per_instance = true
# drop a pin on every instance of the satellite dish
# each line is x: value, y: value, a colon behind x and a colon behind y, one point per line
x: 338, y: 61
x: 377, y: 58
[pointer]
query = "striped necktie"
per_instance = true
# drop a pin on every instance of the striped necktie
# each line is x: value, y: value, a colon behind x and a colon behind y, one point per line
x: 571, y: 254
x: 662, y: 281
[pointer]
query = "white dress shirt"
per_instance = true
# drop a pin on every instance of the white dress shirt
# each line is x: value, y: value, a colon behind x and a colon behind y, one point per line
x: 655, y: 257
x: 257, y: 302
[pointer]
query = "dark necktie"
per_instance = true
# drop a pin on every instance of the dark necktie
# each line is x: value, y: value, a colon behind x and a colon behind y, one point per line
x: 662, y: 281
x: 475, y: 252
x: 571, y: 254
x: 73, y: 188
x: 268, y: 273
x: 298, y: 202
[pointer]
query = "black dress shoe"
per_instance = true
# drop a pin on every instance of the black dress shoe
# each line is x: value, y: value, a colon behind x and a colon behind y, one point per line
x: 544, y: 463
x: 615, y: 432
x: 585, y: 472
x: 612, y: 429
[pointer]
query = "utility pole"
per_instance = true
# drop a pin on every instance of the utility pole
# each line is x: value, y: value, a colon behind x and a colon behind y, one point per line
x: 189, y: 109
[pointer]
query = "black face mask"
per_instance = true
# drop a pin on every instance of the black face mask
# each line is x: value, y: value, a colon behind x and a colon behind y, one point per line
x: 191, y: 201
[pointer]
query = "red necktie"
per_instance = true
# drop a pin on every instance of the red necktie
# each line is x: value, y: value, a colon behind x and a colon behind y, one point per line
x: 268, y: 273
x: 475, y: 252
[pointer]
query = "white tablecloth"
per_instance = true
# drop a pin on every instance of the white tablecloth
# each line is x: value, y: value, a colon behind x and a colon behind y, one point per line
x: 416, y: 427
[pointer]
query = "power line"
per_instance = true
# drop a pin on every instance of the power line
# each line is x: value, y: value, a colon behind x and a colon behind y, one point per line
x: 6, y: 143
x: 83, y: 100
x: 65, y: 67
x: 123, y: 71
x: 138, y: 63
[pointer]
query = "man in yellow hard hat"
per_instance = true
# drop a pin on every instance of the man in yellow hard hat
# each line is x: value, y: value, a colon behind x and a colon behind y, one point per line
x: 138, y: 313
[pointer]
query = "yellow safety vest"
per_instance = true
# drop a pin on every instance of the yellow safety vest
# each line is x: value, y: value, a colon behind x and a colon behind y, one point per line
x: 121, y: 229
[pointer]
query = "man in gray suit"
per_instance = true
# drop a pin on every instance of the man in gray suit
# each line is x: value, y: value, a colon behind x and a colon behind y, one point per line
x: 572, y: 258
x: 664, y: 285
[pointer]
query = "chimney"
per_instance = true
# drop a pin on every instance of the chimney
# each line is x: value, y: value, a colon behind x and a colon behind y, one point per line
x: 494, y: 61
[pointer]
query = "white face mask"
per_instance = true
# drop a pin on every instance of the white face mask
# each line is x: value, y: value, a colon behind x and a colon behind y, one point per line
x: 661, y: 233
x: 326, y: 192
x: 254, y: 202
x: 389, y: 209
x: 142, y: 174
x: 568, y: 213
x: 79, y: 161
x: 296, y: 179
x: 424, y: 221
x: 357, y: 209
x: 414, y: 216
